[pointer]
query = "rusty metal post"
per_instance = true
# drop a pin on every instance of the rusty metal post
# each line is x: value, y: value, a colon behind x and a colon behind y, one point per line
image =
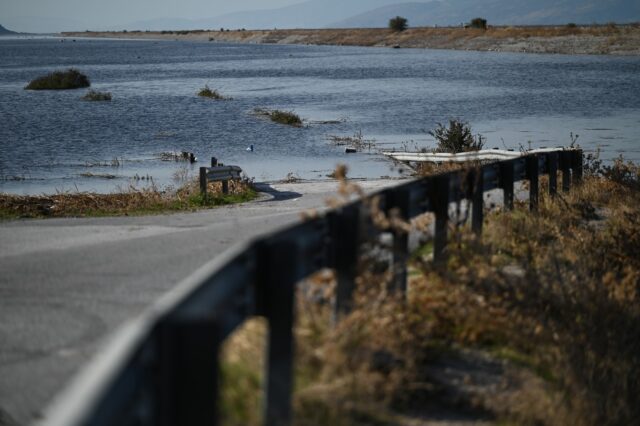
x: 344, y: 226
x: 565, y: 166
x: 278, y: 269
x: 533, y: 175
x: 477, y: 200
x: 400, y: 245
x: 552, y: 168
x: 440, y: 201
x: 187, y: 373
x: 576, y: 165
x: 506, y: 183
x: 203, y: 182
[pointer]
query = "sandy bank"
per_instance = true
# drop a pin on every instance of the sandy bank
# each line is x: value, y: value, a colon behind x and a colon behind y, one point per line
x: 593, y: 40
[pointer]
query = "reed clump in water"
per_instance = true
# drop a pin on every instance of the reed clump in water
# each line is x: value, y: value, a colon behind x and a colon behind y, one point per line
x: 288, y: 118
x: 207, y: 92
x: 94, y: 95
x: 60, y: 80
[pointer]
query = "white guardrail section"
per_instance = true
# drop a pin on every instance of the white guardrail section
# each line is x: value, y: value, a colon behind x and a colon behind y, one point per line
x: 482, y: 155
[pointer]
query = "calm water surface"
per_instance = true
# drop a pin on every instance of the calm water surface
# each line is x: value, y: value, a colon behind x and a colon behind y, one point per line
x: 49, y: 139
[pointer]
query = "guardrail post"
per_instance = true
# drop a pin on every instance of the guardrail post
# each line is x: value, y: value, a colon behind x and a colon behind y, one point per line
x: 440, y: 201
x: 565, y: 166
x: 277, y: 268
x: 203, y: 182
x: 552, y: 168
x: 576, y: 165
x: 345, y: 240
x: 400, y: 246
x: 506, y: 183
x: 533, y: 163
x: 476, y: 185
x: 187, y: 373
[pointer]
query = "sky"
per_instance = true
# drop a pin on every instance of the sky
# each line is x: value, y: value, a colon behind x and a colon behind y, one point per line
x: 63, y: 15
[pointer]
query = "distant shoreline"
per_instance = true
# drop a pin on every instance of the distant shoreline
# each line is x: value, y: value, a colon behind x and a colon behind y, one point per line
x: 573, y: 40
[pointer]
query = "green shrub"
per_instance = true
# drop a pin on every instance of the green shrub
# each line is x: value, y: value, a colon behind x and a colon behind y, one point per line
x: 571, y: 25
x: 94, y: 95
x: 60, y: 80
x: 398, y: 23
x: 456, y: 138
x: 478, y: 23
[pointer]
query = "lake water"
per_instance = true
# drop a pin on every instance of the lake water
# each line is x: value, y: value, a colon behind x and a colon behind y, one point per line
x: 49, y: 139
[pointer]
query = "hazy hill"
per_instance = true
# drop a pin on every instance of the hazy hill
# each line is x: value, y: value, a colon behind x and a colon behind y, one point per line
x: 308, y: 14
x: 376, y: 13
x: 522, y: 12
x: 4, y: 31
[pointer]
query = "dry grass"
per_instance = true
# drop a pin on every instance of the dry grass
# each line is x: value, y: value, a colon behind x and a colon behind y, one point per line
x: 536, y: 323
x: 131, y: 202
x: 560, y: 39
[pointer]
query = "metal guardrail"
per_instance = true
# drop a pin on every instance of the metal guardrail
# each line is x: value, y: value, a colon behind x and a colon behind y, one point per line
x: 461, y: 157
x: 218, y: 173
x: 162, y: 369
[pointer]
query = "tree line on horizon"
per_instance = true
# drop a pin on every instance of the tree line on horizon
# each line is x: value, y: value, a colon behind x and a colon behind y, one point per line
x: 400, y: 23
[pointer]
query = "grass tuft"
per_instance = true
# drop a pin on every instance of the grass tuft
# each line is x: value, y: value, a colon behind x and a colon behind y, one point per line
x: 288, y: 118
x: 60, y: 80
x: 94, y: 95
x: 207, y: 92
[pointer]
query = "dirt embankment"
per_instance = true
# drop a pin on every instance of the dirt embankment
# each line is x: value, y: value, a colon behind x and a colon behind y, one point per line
x: 593, y: 40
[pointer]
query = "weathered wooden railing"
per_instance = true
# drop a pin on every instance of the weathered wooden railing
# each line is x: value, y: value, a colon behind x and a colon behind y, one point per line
x: 162, y: 369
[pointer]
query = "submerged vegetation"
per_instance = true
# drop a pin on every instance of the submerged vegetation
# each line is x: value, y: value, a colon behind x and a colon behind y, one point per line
x: 94, y: 95
x: 533, y: 323
x: 207, y: 92
x: 60, y: 80
x: 131, y: 202
x: 288, y: 118
x: 356, y: 142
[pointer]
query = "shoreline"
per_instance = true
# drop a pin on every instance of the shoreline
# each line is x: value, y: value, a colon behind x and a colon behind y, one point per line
x: 580, y: 40
x: 150, y: 203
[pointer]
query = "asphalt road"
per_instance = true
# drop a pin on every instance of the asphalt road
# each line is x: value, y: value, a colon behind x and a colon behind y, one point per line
x: 66, y: 284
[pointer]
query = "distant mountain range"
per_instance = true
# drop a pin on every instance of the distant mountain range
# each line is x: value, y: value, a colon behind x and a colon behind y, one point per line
x: 376, y: 13
x: 308, y: 14
x: 4, y: 31
x: 500, y: 12
x: 371, y: 14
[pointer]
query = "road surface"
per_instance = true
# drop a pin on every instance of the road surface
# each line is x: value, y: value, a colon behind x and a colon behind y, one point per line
x: 66, y: 284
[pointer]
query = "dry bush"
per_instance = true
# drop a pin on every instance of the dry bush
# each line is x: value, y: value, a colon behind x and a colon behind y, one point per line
x: 542, y: 313
x: 566, y: 280
x: 554, y: 293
